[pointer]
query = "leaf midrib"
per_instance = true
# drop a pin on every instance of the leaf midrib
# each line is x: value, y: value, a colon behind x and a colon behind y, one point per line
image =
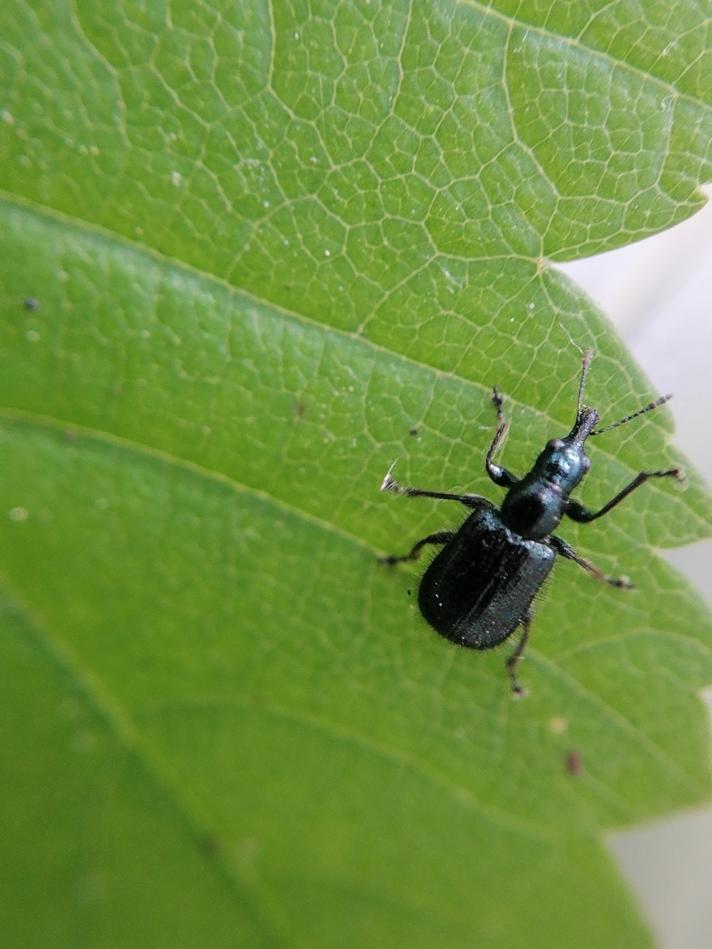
x: 81, y: 226
x: 555, y: 668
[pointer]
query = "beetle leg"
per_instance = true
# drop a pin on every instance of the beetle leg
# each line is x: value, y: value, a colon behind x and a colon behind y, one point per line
x: 577, y: 512
x: 440, y: 537
x: 500, y: 475
x: 561, y: 547
x: 390, y: 484
x: 518, y: 690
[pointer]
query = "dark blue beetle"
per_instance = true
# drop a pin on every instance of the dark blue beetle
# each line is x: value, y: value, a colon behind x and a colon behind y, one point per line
x: 480, y: 586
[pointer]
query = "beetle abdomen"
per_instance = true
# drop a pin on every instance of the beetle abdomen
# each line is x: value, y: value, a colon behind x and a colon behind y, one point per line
x: 478, y: 588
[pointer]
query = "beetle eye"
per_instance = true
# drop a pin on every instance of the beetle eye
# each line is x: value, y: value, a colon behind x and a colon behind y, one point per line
x: 555, y: 443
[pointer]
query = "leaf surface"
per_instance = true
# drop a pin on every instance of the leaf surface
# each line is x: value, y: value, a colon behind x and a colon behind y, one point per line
x: 246, y: 250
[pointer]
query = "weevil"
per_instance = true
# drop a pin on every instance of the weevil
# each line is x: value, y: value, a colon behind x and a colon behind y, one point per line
x: 480, y: 586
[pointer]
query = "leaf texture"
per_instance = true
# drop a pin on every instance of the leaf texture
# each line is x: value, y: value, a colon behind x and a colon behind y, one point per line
x: 250, y: 254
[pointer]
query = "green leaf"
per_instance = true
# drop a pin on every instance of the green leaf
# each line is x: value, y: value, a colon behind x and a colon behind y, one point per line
x: 246, y: 248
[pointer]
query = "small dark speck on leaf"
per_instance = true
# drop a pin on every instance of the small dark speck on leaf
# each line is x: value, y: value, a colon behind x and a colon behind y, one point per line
x: 413, y: 431
x: 209, y: 844
x: 299, y: 409
x: 574, y: 763
x: 31, y: 303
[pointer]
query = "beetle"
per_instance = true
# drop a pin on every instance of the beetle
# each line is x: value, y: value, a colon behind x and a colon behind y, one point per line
x: 480, y: 586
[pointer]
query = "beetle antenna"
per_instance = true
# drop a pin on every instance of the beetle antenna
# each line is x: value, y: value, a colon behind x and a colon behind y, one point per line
x: 646, y: 408
x: 587, y: 357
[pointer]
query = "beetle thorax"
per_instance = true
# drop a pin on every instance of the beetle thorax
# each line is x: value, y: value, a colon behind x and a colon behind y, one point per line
x: 533, y: 508
x: 535, y: 505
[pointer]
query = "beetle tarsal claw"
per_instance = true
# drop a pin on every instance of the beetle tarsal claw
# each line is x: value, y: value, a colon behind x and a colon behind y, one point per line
x: 389, y: 483
x: 388, y: 560
x: 679, y: 474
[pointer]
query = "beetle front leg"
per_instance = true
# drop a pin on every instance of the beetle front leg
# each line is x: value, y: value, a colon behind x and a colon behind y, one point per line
x: 440, y: 537
x: 577, y: 512
x: 390, y: 484
x: 500, y: 475
x: 518, y: 690
x: 561, y: 547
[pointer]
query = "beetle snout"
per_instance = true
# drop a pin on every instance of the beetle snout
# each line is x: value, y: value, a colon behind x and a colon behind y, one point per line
x: 587, y: 420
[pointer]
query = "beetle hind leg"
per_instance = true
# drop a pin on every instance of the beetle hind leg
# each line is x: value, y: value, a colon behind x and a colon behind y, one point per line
x: 518, y: 690
x: 440, y: 537
x: 566, y: 550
